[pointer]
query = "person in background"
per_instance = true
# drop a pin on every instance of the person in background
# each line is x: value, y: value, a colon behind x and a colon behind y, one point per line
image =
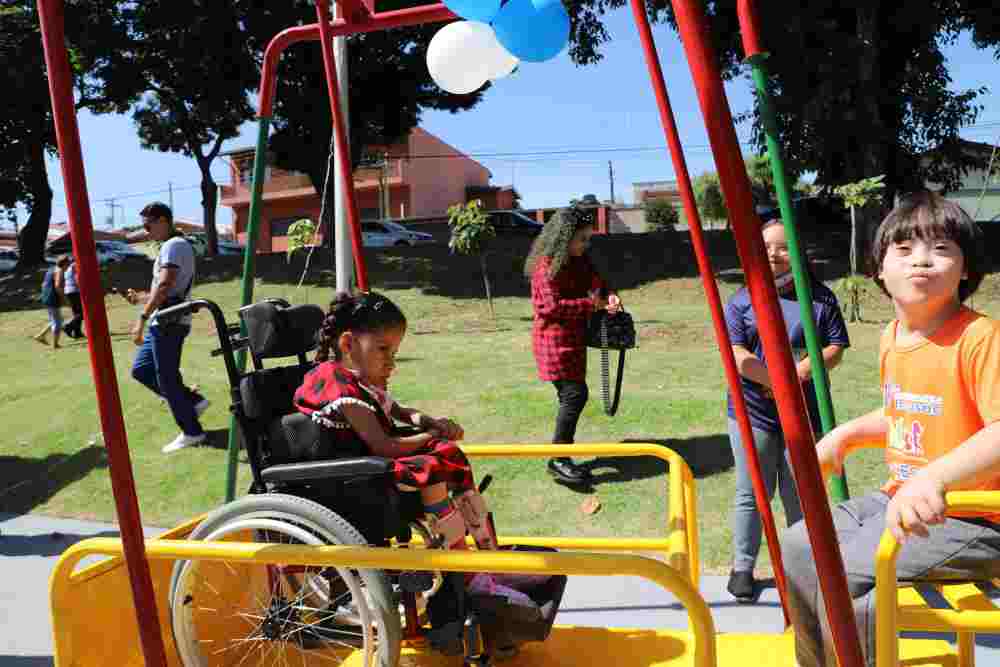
x: 157, y: 363
x: 73, y: 328
x: 52, y: 298
x: 768, y: 439
x: 565, y: 292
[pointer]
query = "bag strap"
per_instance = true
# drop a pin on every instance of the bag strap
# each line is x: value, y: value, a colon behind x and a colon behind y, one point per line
x: 610, y: 404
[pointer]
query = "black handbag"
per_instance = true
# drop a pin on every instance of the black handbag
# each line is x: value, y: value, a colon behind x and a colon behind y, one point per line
x: 611, y: 331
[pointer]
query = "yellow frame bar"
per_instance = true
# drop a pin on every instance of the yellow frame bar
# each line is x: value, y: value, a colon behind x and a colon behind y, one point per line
x: 680, y: 547
x: 888, y: 618
x: 702, y: 625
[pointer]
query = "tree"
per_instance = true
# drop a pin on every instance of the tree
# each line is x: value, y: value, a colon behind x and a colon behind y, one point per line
x: 708, y: 197
x: 379, y: 113
x: 860, y: 88
x: 471, y: 232
x: 857, y: 196
x: 661, y: 216
x: 192, y: 60
x: 27, y: 134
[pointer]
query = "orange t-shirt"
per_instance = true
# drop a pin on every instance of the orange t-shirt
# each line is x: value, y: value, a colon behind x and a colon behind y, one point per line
x: 938, y: 393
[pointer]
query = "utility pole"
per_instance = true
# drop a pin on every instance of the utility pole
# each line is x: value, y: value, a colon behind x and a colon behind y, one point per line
x: 170, y: 195
x: 343, y: 259
x: 611, y: 177
x: 111, y: 218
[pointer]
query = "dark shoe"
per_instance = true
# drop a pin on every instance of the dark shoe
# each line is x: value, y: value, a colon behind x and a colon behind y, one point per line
x: 564, y: 470
x: 742, y: 587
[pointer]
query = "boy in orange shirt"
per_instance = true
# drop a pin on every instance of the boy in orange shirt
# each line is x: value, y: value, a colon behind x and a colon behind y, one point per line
x: 939, y: 426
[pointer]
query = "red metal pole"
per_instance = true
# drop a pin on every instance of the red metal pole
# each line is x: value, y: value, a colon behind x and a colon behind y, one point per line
x: 711, y: 291
x: 749, y: 27
x: 381, y: 21
x: 51, y: 17
x: 787, y: 393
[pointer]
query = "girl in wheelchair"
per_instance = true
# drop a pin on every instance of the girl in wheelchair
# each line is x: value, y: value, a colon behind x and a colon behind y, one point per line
x: 347, y: 392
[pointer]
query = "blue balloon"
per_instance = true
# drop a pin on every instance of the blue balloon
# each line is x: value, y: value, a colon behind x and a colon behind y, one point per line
x: 532, y: 30
x: 474, y: 10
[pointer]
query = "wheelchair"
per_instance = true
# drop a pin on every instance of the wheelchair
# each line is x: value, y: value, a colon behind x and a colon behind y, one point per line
x: 304, y: 492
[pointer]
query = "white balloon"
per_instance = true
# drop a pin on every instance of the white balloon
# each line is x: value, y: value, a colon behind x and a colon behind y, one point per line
x: 502, y: 62
x: 461, y: 56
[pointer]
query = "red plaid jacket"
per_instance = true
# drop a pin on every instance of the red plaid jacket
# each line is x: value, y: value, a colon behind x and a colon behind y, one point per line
x: 562, y: 307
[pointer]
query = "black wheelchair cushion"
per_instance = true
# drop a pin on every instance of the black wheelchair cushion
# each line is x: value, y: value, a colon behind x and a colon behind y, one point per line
x: 276, y: 331
x: 338, y: 470
x: 267, y: 394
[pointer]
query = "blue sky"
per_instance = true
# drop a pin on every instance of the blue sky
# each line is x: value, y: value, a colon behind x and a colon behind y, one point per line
x: 552, y: 106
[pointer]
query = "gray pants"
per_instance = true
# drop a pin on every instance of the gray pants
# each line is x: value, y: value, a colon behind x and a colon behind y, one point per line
x: 963, y: 550
x: 776, y: 472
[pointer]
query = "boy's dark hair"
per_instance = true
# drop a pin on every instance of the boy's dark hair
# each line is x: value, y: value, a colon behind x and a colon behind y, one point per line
x: 927, y: 216
x: 157, y: 210
x: 362, y: 313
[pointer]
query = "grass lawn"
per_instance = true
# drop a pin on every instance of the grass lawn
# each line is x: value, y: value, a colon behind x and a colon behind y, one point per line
x: 453, y: 362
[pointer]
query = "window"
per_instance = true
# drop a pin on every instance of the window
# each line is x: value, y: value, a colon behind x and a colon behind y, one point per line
x: 280, y: 226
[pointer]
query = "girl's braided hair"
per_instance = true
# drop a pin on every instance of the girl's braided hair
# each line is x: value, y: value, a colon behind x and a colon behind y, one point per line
x: 553, y: 241
x: 361, y: 313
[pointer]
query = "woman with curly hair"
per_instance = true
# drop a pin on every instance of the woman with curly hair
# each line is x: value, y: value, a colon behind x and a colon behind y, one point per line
x: 565, y: 292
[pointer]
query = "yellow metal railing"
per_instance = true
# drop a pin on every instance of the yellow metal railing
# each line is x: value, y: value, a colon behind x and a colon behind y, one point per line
x: 889, y: 619
x: 702, y: 626
x: 679, y: 547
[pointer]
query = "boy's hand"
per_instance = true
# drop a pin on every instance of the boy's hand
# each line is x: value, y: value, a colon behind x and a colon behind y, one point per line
x: 918, y: 503
x: 446, y: 428
x: 830, y: 452
x: 614, y: 303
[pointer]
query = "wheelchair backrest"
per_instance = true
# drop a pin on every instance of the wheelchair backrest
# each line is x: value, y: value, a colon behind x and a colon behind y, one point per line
x: 274, y: 330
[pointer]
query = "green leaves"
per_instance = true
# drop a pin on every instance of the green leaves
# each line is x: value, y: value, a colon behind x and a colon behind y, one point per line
x: 471, y: 229
x: 860, y: 193
x: 661, y: 216
x: 301, y: 234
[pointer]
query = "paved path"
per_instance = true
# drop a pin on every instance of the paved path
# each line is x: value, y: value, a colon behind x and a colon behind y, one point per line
x: 30, y: 546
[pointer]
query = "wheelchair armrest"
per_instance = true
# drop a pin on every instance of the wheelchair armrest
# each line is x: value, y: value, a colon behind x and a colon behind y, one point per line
x: 341, y: 470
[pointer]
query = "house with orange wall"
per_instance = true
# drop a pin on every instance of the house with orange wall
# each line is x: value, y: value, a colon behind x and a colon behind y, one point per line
x: 420, y: 177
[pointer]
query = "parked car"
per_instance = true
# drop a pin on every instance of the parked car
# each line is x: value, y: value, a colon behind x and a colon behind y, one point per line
x: 8, y: 259
x: 514, y: 222
x: 225, y: 246
x: 383, y: 234
x: 108, y: 252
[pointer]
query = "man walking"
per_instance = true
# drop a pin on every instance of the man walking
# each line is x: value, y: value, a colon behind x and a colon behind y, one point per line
x: 157, y: 363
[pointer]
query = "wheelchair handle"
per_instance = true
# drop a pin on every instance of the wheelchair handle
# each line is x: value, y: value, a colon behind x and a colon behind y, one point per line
x: 222, y: 329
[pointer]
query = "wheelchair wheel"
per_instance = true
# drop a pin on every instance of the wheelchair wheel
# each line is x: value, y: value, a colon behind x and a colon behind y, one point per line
x: 226, y: 613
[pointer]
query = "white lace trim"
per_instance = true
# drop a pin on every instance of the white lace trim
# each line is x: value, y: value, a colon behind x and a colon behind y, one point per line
x: 330, y: 415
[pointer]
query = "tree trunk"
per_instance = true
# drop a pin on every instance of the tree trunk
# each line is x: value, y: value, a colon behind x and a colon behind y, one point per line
x: 486, y: 283
x: 209, y: 202
x: 32, y: 238
x: 878, y: 140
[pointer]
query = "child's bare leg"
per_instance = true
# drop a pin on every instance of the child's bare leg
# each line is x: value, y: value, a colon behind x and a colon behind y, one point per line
x: 477, y: 518
x: 444, y: 519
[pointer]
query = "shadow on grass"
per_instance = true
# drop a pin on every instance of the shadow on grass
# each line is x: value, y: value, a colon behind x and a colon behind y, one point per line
x: 26, y: 483
x: 706, y: 456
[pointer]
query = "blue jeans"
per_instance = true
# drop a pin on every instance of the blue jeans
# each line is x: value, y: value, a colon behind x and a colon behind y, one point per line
x: 776, y: 471
x: 158, y: 366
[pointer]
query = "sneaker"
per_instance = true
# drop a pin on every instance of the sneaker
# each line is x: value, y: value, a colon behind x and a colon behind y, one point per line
x: 182, y: 441
x: 564, y: 470
x: 201, y: 404
x: 741, y: 586
x: 484, y: 584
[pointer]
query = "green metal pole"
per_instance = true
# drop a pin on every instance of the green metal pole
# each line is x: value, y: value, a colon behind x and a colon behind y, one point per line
x: 838, y: 483
x: 249, y: 257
